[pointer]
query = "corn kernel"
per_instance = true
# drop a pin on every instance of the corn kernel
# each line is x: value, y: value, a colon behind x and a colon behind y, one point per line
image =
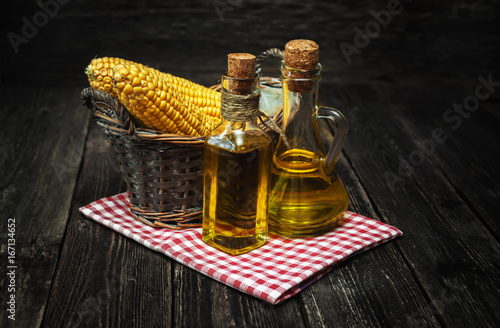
x: 157, y: 100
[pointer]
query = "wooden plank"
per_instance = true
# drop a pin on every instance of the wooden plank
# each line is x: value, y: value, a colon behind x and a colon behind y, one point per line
x: 212, y: 304
x: 107, y: 280
x: 98, y: 268
x: 468, y: 149
x: 41, y: 143
x: 449, y: 250
x: 373, y: 289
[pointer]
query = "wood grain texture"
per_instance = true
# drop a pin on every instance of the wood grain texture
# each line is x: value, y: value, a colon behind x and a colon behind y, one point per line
x: 443, y: 234
x: 41, y: 149
x: 212, y: 304
x: 111, y: 269
x: 466, y: 152
x: 363, y: 291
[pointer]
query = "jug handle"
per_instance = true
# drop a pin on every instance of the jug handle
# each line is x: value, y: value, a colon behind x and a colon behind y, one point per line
x: 339, y: 128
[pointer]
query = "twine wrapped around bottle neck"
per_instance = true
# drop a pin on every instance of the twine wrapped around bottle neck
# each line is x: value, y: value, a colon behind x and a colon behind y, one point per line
x: 243, y: 108
x: 239, y: 108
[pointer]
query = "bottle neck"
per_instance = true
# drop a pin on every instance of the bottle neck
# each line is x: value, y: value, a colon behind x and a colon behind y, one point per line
x: 300, y: 95
x: 300, y: 80
x: 240, y: 98
x: 240, y: 86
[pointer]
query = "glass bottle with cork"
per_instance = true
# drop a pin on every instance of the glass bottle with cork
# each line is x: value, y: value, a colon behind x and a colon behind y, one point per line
x: 237, y: 164
x: 307, y: 196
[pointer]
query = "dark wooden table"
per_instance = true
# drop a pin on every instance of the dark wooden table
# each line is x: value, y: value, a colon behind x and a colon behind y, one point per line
x: 421, y: 93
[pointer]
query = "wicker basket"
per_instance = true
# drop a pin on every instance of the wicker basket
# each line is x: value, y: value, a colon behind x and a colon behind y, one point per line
x: 163, y: 172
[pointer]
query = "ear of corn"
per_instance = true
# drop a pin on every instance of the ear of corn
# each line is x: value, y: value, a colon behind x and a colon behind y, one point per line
x: 100, y: 73
x: 157, y: 100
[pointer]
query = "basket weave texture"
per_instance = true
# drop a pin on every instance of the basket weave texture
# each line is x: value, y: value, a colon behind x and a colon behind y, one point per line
x: 163, y: 172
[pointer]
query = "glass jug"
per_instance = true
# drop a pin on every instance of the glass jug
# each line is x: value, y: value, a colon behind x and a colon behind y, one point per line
x: 307, y: 197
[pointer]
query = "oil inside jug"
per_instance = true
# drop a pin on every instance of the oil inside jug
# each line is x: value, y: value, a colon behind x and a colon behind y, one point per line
x: 308, y: 197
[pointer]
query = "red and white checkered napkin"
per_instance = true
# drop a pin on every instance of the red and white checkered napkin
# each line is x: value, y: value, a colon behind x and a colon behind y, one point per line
x: 274, y: 272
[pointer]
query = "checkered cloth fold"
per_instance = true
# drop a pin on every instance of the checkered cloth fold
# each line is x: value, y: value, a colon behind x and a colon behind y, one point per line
x: 274, y: 272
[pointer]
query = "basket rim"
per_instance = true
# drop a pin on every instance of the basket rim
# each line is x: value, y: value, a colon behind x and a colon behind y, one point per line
x: 94, y: 96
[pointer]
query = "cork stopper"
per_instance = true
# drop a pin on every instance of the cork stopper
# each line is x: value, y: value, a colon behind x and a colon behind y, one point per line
x: 241, y: 66
x: 301, y: 54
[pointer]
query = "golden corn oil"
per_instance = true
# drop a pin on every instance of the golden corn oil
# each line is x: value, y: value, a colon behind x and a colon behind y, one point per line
x: 308, y: 198
x: 236, y: 195
x: 237, y: 170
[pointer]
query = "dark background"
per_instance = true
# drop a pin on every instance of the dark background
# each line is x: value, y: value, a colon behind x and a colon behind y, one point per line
x: 428, y: 42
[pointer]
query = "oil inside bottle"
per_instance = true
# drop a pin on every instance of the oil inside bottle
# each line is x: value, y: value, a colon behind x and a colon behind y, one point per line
x: 237, y: 193
x: 307, y: 197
